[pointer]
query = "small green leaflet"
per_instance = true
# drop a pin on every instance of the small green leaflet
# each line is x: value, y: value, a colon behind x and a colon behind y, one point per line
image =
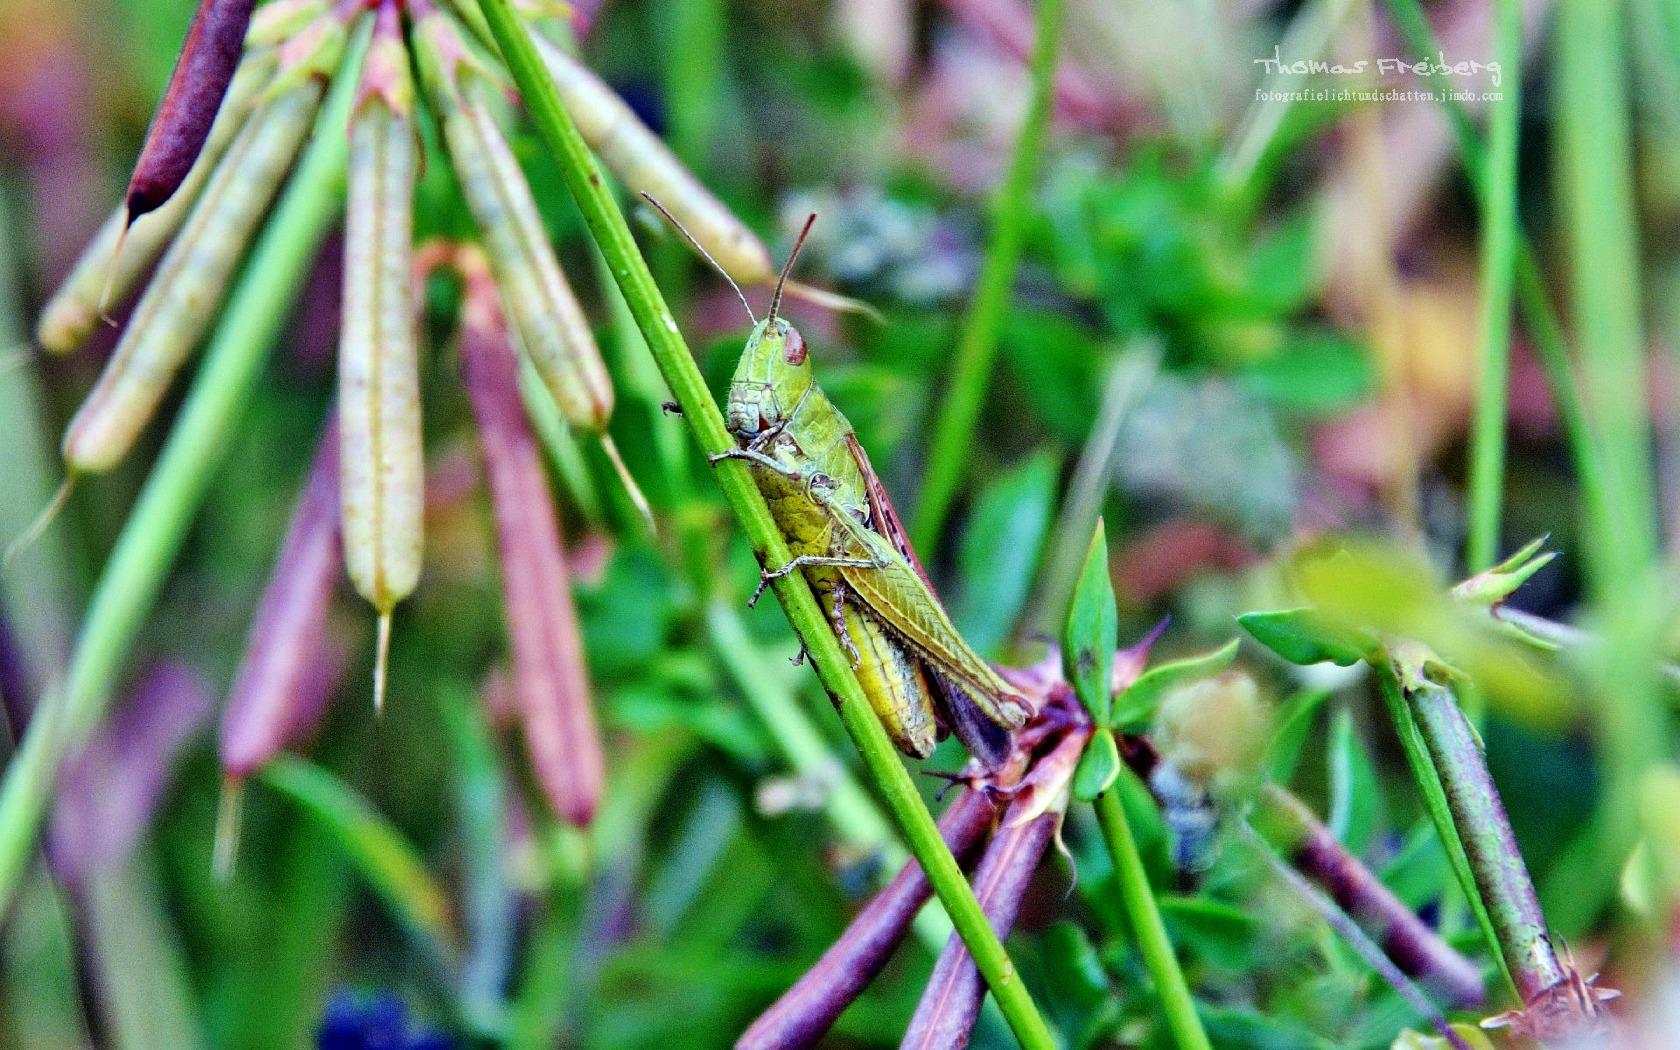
x: 1303, y: 636
x: 1136, y: 705
x: 1092, y: 631
x: 1098, y: 767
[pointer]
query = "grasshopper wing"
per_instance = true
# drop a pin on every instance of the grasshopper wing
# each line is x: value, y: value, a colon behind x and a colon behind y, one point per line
x: 899, y: 594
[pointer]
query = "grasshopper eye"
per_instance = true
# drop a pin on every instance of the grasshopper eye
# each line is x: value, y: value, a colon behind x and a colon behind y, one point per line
x: 793, y: 351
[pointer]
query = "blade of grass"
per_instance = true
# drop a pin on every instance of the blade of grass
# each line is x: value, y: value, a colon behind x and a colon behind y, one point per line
x: 35, y: 585
x: 1139, y: 900
x: 158, y: 524
x: 1499, y: 244
x: 1544, y: 329
x: 379, y: 851
x: 971, y: 366
x: 1596, y: 180
x: 606, y: 223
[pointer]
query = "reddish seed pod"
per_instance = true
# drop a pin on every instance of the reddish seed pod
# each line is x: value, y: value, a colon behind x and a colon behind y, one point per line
x: 280, y: 678
x: 951, y: 1003
x: 183, y: 120
x: 550, y: 683
x: 805, y: 1013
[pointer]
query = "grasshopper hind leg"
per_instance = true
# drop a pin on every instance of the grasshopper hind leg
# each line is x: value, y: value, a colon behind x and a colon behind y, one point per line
x: 893, y: 682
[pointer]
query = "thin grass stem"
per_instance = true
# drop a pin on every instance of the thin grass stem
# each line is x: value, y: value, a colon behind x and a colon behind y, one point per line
x: 1499, y: 247
x: 612, y: 234
x: 959, y: 414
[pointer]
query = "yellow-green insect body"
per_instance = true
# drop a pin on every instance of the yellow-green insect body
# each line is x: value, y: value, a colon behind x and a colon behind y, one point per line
x: 845, y: 538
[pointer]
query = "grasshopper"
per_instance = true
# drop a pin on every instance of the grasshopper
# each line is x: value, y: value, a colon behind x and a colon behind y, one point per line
x: 919, y: 674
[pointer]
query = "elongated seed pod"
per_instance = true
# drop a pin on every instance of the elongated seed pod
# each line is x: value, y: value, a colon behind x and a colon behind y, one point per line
x: 382, y: 471
x: 195, y: 91
x: 951, y: 1002
x: 181, y: 300
x: 807, y: 1010
x: 277, y: 20
x: 552, y: 329
x: 551, y: 686
x: 635, y: 154
x: 288, y: 633
x: 101, y: 274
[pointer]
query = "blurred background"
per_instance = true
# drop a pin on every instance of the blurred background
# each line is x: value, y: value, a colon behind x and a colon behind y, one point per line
x: 1241, y: 321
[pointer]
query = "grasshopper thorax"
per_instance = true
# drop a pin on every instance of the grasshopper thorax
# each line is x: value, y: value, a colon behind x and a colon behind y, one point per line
x: 773, y: 377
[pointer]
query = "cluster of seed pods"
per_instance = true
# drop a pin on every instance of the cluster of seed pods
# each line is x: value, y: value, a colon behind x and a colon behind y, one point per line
x: 1008, y: 819
x: 244, y: 98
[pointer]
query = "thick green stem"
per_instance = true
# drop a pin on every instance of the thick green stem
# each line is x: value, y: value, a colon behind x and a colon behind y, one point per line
x: 1499, y: 243
x: 606, y: 224
x: 1435, y: 803
x: 955, y: 424
x: 1478, y: 814
x: 1157, y: 950
x: 157, y: 526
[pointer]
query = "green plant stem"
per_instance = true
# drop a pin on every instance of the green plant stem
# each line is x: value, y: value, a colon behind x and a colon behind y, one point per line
x: 958, y: 416
x: 1544, y: 329
x: 1499, y: 244
x: 1139, y: 900
x: 1435, y: 802
x: 1501, y: 877
x: 1128, y: 379
x: 606, y: 223
x: 158, y: 524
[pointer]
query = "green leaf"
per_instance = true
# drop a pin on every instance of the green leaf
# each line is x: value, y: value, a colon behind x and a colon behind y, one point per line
x: 379, y: 851
x: 1137, y: 704
x: 1092, y: 631
x: 1295, y: 723
x: 1302, y: 636
x: 1356, y: 805
x: 1000, y: 550
x: 1098, y: 766
x: 1221, y: 933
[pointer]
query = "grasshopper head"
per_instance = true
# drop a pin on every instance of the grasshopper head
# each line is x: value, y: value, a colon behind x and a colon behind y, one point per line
x: 774, y: 374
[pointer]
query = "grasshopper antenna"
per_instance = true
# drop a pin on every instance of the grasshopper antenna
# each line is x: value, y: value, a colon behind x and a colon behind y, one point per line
x: 697, y: 246
x: 833, y: 301
x: 787, y: 268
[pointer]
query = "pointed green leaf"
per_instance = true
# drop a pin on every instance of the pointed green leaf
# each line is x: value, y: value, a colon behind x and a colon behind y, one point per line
x: 1098, y: 766
x: 1092, y: 631
x: 378, y: 850
x: 1294, y: 724
x: 1302, y: 636
x: 1355, y: 793
x: 1137, y: 704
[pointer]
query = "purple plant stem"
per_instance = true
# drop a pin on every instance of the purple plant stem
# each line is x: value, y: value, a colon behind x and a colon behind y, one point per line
x: 201, y: 78
x: 286, y: 675
x: 1356, y: 939
x: 1416, y: 950
x: 111, y: 788
x: 550, y: 682
x: 951, y: 1003
x: 808, y: 1009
